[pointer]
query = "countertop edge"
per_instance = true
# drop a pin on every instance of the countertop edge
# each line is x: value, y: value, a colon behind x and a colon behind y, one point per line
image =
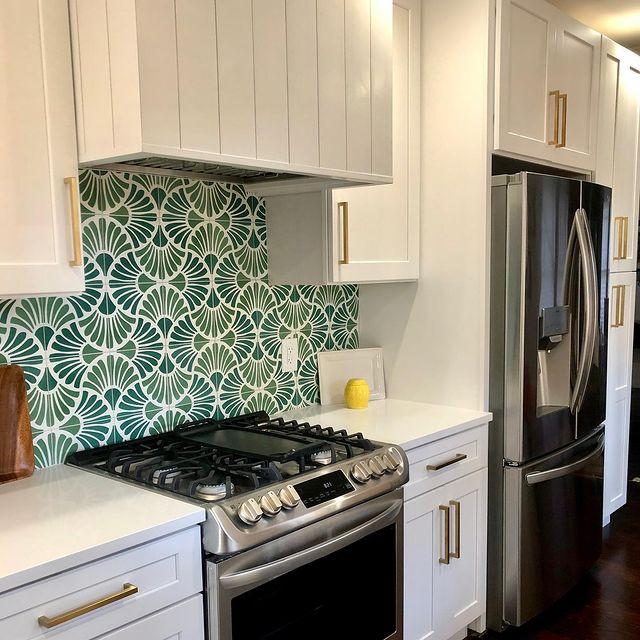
x: 46, y: 570
x: 445, y: 432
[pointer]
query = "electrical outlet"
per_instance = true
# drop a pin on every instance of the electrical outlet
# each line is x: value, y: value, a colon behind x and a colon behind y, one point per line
x: 290, y: 354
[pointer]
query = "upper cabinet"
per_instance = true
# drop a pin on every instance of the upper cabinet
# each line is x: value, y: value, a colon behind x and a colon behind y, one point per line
x: 246, y: 90
x: 361, y: 234
x: 547, y: 81
x: 618, y: 148
x: 40, y: 248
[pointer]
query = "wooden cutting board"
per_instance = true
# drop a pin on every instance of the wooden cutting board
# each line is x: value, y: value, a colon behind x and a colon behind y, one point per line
x: 16, y: 445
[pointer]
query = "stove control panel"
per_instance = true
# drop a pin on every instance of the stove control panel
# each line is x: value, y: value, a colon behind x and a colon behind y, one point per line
x: 323, y: 488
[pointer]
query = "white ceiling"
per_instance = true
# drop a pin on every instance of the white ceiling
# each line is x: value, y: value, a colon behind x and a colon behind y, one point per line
x: 618, y: 19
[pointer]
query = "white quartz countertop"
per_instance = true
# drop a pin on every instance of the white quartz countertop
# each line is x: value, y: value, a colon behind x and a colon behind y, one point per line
x: 62, y: 517
x: 408, y: 424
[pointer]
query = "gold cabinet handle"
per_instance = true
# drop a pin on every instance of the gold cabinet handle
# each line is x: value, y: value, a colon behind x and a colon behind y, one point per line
x: 456, y: 505
x: 564, y: 98
x: 447, y: 553
x: 621, y: 231
x: 343, y: 207
x: 441, y: 465
x: 127, y: 591
x: 620, y: 292
x: 556, y: 117
x: 75, y: 221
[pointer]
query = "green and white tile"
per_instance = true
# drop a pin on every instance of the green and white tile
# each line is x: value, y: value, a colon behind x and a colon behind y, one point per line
x: 177, y: 322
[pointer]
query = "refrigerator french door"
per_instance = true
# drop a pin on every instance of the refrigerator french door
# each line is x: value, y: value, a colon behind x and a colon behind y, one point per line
x: 549, y: 283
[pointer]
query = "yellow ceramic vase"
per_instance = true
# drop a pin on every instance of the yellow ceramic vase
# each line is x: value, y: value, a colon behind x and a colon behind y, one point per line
x: 356, y: 393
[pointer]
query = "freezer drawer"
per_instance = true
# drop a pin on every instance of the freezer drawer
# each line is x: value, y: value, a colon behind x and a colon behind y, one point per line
x: 552, y: 526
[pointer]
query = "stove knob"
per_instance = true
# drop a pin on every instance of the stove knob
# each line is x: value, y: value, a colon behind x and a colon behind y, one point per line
x: 393, y: 459
x: 289, y: 497
x: 250, y: 512
x: 270, y: 504
x: 360, y: 473
x: 376, y: 466
x: 389, y: 463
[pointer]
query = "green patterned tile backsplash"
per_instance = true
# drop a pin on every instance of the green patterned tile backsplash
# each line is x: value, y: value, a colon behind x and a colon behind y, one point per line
x: 177, y: 322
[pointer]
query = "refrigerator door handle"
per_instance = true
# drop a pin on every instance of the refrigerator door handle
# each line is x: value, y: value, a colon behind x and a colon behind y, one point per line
x: 552, y: 474
x: 590, y: 283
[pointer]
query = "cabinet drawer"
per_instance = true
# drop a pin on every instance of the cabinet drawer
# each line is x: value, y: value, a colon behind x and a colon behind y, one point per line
x: 184, y: 621
x: 164, y: 572
x: 436, y: 463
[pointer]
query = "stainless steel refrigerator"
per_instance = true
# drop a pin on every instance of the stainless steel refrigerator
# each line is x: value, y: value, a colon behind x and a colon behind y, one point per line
x: 548, y: 371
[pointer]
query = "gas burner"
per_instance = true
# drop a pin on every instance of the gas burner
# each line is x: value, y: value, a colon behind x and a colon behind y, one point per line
x: 165, y: 476
x: 213, y: 492
x: 322, y: 457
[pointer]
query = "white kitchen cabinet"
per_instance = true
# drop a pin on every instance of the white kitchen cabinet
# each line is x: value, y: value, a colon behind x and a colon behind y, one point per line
x: 106, y: 594
x: 360, y: 234
x: 618, y: 149
x: 547, y: 83
x: 210, y: 86
x: 622, y: 292
x: 40, y: 245
x: 445, y: 558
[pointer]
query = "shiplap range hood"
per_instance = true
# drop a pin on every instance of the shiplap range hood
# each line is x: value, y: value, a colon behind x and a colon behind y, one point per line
x: 250, y: 91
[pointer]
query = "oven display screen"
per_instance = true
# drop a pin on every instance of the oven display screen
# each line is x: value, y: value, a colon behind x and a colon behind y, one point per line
x: 326, y: 487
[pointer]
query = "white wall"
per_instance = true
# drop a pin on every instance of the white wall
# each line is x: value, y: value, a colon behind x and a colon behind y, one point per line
x: 435, y: 332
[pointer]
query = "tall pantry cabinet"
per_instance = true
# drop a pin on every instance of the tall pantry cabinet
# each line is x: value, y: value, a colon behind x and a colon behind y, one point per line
x: 618, y: 166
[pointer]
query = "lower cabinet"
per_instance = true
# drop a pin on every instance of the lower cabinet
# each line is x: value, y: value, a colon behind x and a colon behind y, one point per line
x: 184, y: 621
x: 445, y: 559
x: 622, y: 290
x: 148, y: 592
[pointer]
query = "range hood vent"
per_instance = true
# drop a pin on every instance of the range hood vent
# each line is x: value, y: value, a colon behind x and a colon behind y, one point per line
x: 199, y: 170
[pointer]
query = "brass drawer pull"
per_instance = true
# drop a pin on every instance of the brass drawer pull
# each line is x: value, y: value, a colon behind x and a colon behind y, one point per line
x: 620, y: 291
x: 621, y: 230
x: 441, y: 465
x: 447, y: 553
x: 344, y: 207
x: 556, y: 117
x: 456, y: 505
x: 48, y: 623
x: 564, y: 98
x: 75, y: 221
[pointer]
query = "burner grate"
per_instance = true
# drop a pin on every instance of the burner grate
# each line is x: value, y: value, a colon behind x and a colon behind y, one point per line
x: 205, y: 460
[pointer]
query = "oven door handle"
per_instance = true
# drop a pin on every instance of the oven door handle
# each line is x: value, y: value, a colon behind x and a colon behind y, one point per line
x: 278, y: 567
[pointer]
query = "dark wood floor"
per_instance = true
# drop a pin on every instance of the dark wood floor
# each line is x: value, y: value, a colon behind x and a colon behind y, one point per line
x: 606, y: 605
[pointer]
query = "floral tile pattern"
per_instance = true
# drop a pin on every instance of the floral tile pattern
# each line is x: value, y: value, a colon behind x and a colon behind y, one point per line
x: 177, y: 322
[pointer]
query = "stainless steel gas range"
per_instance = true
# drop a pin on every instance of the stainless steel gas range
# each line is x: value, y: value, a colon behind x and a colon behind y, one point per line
x: 303, y: 536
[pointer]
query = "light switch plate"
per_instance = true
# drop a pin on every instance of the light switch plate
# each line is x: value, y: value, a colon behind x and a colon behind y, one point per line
x: 290, y: 354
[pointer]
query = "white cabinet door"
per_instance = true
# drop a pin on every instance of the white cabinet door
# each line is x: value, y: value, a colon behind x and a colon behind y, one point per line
x: 547, y: 81
x: 39, y: 212
x: 576, y: 75
x: 619, y: 367
x: 421, y: 544
x: 626, y: 183
x: 374, y: 231
x: 524, y: 52
x: 184, y: 621
x: 618, y: 149
x: 445, y: 558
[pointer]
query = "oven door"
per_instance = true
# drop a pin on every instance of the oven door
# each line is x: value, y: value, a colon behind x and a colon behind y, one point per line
x: 341, y: 577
